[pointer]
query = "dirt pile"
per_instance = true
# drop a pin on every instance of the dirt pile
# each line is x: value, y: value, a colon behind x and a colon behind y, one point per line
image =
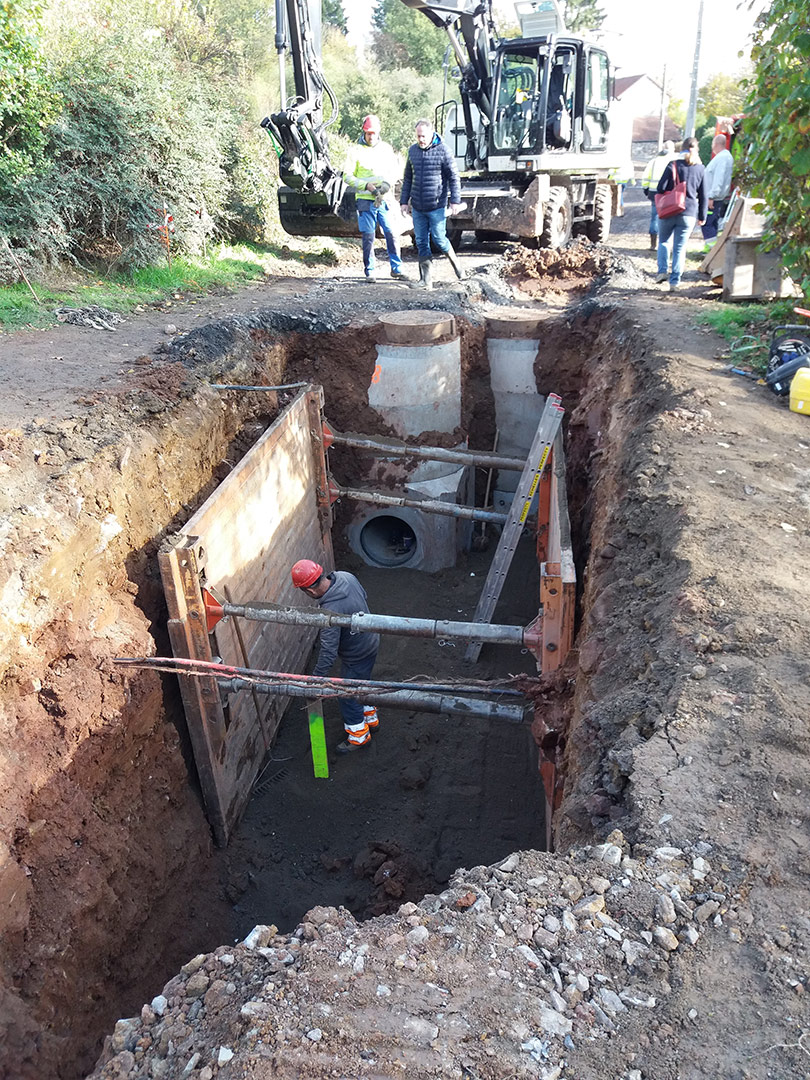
x: 535, y: 272
x: 506, y: 973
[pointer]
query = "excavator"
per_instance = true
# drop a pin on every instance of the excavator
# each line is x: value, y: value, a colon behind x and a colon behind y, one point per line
x: 530, y: 129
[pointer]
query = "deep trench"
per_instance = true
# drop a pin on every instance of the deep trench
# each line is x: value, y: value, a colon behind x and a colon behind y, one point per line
x: 434, y: 792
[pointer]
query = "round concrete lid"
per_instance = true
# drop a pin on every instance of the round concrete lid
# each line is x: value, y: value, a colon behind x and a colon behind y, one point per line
x: 420, y: 327
x: 514, y: 324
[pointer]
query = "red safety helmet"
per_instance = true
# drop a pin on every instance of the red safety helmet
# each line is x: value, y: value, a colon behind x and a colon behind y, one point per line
x: 306, y: 573
x: 372, y: 123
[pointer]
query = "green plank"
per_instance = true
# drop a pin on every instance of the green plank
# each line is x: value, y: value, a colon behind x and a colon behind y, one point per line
x: 317, y: 739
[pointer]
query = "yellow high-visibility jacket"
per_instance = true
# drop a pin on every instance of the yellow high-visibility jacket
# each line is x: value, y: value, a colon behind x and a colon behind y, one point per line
x: 378, y: 163
x: 654, y: 170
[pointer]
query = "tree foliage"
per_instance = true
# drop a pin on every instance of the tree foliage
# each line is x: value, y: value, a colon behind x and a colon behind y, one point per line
x: 721, y: 95
x: 26, y: 97
x: 405, y: 38
x: 777, y: 129
x: 333, y: 15
x: 149, y: 107
x: 583, y: 15
x: 399, y: 97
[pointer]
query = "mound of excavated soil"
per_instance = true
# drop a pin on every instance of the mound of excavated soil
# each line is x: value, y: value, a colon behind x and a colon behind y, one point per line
x: 537, y: 272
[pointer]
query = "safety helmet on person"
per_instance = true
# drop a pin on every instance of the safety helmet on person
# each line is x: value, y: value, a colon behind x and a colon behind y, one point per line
x: 372, y: 123
x: 306, y: 573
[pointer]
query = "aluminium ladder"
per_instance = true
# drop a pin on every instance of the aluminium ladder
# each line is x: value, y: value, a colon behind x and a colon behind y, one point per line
x: 518, y: 512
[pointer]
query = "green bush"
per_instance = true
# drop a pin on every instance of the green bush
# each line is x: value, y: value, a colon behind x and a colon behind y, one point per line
x: 150, y: 117
x: 776, y: 130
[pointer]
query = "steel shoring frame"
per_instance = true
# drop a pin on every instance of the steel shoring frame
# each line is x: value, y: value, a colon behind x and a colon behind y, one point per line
x: 429, y: 453
x: 309, y: 687
x: 428, y: 506
x: 366, y: 622
x: 399, y: 699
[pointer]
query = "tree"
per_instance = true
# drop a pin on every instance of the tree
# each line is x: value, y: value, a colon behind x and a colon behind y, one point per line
x: 583, y: 15
x: 405, y: 38
x: 777, y: 130
x: 722, y: 95
x: 26, y: 102
x: 333, y: 14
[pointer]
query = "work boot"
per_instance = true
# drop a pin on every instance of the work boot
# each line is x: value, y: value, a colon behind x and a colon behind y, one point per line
x: 653, y: 241
x: 347, y: 747
x: 451, y: 255
x: 398, y: 275
x: 425, y: 274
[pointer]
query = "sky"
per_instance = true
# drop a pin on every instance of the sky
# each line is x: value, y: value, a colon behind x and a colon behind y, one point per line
x: 641, y: 37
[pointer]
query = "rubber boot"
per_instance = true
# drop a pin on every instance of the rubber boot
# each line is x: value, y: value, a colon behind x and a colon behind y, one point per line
x: 653, y: 241
x: 425, y: 274
x: 451, y: 255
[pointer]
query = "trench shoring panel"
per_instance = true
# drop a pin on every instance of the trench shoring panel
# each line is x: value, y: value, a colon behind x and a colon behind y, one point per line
x: 269, y: 512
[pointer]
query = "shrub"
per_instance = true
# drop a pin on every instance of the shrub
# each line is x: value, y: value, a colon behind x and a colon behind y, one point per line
x: 776, y: 130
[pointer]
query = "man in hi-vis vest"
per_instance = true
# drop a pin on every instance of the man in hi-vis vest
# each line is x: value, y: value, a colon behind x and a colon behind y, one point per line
x: 371, y: 170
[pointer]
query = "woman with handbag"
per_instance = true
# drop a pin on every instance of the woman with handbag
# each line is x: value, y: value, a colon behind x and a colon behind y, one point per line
x: 681, y: 203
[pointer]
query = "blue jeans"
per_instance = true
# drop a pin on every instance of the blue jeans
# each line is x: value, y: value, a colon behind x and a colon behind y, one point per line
x: 368, y: 217
x: 653, y: 218
x: 351, y: 709
x: 679, y: 227
x: 427, y: 225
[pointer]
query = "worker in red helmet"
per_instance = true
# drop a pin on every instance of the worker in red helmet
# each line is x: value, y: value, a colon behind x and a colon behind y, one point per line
x: 370, y: 170
x: 341, y: 592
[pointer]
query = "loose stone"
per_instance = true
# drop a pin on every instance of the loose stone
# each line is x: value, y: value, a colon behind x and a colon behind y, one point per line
x: 665, y: 938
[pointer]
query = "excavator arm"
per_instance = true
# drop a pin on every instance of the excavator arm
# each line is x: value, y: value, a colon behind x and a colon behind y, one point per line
x: 298, y: 130
x: 314, y: 200
x: 471, y: 30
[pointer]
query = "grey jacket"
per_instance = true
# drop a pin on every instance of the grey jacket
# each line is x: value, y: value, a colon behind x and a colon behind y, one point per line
x: 345, y: 596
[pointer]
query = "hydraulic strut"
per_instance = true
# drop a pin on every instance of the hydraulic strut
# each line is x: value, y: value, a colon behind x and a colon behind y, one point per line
x: 366, y: 622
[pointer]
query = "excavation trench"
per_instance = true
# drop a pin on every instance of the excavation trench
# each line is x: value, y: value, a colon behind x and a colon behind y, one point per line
x: 123, y: 881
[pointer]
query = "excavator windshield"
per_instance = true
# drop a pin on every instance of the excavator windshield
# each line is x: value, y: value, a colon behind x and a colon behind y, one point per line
x: 517, y: 94
x: 531, y: 116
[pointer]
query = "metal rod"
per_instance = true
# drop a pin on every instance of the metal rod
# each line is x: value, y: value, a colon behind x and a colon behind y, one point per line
x: 429, y: 506
x: 432, y: 453
x: 398, y: 699
x: 363, y: 622
x: 180, y: 665
x: 236, y: 386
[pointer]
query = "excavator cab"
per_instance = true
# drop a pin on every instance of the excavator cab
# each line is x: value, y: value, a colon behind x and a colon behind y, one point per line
x: 550, y: 94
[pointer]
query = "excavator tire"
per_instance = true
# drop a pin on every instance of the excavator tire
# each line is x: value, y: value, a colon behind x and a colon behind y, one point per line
x: 557, y: 219
x: 598, y: 230
x: 454, y: 236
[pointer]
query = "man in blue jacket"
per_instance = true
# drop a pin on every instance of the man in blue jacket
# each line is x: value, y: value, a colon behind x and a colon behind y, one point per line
x: 341, y: 592
x: 431, y: 178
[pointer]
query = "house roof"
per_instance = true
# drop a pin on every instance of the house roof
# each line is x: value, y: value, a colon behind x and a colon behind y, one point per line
x: 645, y: 129
x: 625, y: 83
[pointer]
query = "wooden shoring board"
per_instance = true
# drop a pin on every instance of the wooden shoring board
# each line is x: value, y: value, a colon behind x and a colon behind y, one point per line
x: 268, y: 513
x: 201, y: 700
x: 558, y: 577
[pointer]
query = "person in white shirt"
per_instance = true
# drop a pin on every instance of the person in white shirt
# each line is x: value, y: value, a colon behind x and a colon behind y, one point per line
x: 718, y: 185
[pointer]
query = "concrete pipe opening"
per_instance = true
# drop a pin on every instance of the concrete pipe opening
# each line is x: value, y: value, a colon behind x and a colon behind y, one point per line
x: 387, y: 540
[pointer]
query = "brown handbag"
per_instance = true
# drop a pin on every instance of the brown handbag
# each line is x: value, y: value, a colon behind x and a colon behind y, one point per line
x: 670, y: 203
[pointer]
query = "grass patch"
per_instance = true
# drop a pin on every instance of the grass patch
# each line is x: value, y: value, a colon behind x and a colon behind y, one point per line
x: 748, y: 327
x: 226, y: 267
